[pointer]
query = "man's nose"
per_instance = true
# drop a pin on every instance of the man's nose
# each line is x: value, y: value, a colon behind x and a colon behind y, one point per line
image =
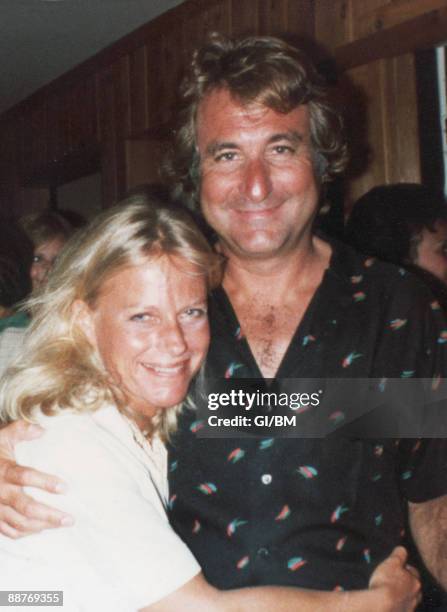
x: 256, y: 183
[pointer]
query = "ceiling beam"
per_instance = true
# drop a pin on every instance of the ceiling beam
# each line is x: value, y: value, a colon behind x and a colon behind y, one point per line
x: 423, y: 32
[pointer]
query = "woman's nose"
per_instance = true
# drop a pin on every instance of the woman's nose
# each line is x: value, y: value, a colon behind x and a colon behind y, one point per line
x: 173, y: 339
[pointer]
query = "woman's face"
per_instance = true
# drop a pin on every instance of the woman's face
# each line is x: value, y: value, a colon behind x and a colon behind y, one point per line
x: 43, y: 260
x: 150, y: 327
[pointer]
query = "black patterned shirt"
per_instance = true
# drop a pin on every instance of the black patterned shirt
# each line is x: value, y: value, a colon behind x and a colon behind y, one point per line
x: 315, y: 513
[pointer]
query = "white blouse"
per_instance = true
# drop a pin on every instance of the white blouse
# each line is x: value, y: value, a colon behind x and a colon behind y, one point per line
x: 121, y: 554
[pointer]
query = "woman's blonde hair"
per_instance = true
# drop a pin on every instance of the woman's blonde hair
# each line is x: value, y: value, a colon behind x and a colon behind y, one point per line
x: 58, y: 368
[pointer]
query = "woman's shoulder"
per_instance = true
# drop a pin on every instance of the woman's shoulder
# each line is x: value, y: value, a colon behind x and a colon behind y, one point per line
x: 69, y: 434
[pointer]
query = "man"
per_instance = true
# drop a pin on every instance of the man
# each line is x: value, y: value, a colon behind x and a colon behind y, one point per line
x: 259, y: 140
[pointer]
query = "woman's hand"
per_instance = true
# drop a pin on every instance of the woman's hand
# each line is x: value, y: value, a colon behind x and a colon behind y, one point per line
x: 398, y: 582
x: 19, y: 513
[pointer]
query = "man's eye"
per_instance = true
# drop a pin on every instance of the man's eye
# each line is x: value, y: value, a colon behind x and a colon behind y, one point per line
x: 226, y: 156
x: 281, y: 149
x: 37, y: 259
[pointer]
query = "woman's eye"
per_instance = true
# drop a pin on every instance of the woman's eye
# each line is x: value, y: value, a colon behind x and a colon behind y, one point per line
x: 141, y: 316
x: 194, y: 313
x: 37, y: 259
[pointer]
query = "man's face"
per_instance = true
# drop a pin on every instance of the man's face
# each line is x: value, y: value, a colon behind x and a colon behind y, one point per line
x: 258, y: 189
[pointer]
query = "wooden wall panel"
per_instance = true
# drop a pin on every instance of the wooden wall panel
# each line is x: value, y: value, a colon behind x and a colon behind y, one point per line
x: 138, y: 90
x: 384, y: 132
x: 300, y: 18
x: 121, y: 119
x: 366, y: 17
x: 81, y: 115
x: 143, y: 158
x: 394, y: 12
x: 400, y: 120
x: 171, y: 66
x: 338, y: 22
x: 129, y: 89
x: 53, y: 142
x: 364, y: 119
x: 106, y: 118
x: 272, y: 16
x: 38, y: 131
x: 244, y: 17
x: 10, y: 165
x: 154, y: 81
x: 198, y: 24
x: 333, y: 22
x: 361, y: 34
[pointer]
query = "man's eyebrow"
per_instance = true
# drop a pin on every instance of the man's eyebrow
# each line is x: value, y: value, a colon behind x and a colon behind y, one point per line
x: 293, y: 136
x: 215, y: 147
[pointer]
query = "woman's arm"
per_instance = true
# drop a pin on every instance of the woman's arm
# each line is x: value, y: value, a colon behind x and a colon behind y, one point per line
x: 20, y: 514
x: 393, y: 588
x: 104, y: 508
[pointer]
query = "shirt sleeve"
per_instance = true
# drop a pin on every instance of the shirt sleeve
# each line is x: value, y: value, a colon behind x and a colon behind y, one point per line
x: 121, y: 535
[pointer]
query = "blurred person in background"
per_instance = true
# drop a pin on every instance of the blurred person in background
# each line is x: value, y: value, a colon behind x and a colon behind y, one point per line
x: 48, y: 231
x: 404, y: 224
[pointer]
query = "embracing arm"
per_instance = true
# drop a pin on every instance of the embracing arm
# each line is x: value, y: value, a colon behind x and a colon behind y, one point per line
x: 428, y: 522
x: 19, y: 513
x: 393, y: 588
x: 148, y: 537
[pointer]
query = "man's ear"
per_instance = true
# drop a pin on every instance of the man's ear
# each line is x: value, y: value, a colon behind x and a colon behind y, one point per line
x: 83, y: 319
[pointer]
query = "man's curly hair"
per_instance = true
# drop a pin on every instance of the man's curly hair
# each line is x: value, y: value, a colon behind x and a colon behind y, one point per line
x: 262, y: 70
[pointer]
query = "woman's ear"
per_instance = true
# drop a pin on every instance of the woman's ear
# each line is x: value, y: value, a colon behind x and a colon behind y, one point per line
x: 83, y: 318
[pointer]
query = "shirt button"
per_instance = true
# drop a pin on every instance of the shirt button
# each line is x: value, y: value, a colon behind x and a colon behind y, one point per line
x: 266, y: 479
x: 263, y: 552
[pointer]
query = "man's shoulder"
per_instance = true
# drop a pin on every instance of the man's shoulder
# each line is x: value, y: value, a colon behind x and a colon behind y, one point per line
x: 358, y: 269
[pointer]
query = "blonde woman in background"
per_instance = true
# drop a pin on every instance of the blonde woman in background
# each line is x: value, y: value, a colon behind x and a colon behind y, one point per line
x: 48, y: 231
x: 116, y: 337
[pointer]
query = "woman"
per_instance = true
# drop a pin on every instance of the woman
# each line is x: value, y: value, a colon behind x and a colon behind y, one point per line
x: 48, y: 231
x: 116, y: 337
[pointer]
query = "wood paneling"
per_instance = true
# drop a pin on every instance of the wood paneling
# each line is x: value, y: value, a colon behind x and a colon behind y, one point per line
x: 129, y: 89
x: 373, y: 43
x: 138, y: 90
x: 333, y: 22
x: 300, y: 18
x: 272, y: 16
x: 338, y: 22
x: 383, y: 126
x: 106, y: 114
x: 400, y: 122
x: 244, y: 17
x: 421, y: 32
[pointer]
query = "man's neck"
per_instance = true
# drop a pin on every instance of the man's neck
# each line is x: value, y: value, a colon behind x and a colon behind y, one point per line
x: 296, y: 270
x: 270, y: 298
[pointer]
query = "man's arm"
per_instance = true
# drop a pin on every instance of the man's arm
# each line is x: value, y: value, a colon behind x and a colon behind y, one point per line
x: 19, y: 513
x: 393, y: 588
x: 428, y: 522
